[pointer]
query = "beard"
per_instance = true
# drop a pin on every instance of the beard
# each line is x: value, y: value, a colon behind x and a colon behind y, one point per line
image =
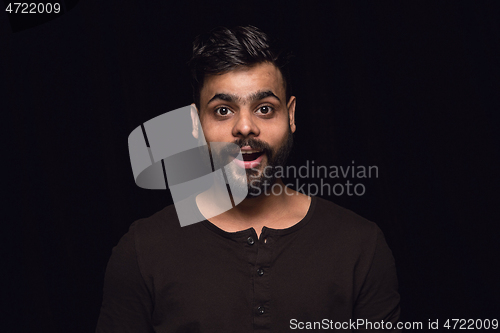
x: 260, y: 179
x: 253, y: 181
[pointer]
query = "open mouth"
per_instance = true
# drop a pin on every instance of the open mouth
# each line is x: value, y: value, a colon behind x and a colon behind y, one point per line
x: 251, y: 156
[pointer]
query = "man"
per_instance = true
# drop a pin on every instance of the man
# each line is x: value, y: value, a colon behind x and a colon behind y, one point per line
x: 277, y: 261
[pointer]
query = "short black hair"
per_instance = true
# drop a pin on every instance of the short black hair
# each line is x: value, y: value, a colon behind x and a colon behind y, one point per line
x: 224, y: 49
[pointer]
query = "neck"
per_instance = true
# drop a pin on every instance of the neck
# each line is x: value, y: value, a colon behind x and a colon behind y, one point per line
x: 248, y: 213
x: 278, y: 211
x: 262, y: 206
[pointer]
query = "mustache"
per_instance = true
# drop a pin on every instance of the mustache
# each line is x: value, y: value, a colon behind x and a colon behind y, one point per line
x: 231, y: 151
x: 254, y: 144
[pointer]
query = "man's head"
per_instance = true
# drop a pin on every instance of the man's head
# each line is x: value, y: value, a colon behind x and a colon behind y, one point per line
x: 242, y: 96
x: 222, y: 50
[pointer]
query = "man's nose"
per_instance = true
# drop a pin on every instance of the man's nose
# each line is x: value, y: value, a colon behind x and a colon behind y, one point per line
x: 245, y: 125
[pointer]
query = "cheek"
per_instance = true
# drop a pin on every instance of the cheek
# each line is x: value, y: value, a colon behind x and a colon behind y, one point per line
x: 216, y: 131
x: 277, y: 133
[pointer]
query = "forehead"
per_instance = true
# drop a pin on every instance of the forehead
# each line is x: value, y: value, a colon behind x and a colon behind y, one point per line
x: 244, y: 81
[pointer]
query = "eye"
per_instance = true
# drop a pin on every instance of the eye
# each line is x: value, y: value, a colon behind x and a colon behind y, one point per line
x: 266, y: 109
x: 222, y: 111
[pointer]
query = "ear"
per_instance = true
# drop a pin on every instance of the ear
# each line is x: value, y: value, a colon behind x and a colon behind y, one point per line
x: 195, y: 121
x: 291, y: 113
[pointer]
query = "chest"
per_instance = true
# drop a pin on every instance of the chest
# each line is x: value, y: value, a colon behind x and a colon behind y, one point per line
x: 212, y: 285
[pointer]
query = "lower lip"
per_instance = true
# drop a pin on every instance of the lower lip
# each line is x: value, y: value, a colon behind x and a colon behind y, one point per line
x: 249, y: 164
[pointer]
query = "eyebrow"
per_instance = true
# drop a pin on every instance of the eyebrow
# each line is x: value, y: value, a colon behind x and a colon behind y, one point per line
x: 257, y: 96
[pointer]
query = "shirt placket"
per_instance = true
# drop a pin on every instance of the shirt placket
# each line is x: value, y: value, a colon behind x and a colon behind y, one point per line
x: 260, y: 258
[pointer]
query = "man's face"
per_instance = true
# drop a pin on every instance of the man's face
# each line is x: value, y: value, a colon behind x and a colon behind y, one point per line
x: 247, y: 106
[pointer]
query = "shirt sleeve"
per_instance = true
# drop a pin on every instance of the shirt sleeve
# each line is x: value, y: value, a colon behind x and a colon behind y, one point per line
x: 127, y: 304
x: 379, y: 298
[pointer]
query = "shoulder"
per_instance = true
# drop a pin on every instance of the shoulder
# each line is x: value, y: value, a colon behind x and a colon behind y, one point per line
x: 340, y: 216
x: 163, y: 220
x: 160, y: 234
x: 351, y: 236
x: 161, y: 230
x: 343, y: 223
x: 162, y: 226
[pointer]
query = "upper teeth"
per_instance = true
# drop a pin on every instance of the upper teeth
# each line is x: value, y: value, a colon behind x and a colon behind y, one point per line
x: 250, y: 151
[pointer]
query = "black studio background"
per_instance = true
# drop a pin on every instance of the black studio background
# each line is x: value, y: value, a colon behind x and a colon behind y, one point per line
x: 411, y: 87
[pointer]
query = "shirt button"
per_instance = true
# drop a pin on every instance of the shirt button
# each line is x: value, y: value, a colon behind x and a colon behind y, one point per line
x: 261, y: 310
x: 260, y: 271
x: 250, y: 240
